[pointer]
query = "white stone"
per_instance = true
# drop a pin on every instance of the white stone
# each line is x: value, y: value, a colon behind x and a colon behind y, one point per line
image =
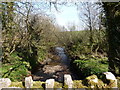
x: 5, y: 82
x: 95, y: 80
x: 49, y: 83
x: 13, y: 87
x: 68, y: 80
x: 112, y: 78
x: 28, y: 82
x: 109, y: 76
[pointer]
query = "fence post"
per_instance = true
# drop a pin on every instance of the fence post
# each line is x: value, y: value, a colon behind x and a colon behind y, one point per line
x: 68, y: 80
x: 28, y: 82
x: 4, y: 82
x: 49, y: 83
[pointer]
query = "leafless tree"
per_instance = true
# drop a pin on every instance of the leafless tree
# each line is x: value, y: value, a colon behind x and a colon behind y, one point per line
x: 89, y: 14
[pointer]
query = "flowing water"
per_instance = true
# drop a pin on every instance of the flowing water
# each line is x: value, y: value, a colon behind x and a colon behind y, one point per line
x: 55, y: 69
x: 63, y: 57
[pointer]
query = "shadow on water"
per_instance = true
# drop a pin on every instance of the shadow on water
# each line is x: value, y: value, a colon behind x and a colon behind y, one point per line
x: 56, y: 69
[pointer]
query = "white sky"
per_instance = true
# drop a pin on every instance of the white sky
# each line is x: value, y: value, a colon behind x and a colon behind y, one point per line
x: 67, y: 15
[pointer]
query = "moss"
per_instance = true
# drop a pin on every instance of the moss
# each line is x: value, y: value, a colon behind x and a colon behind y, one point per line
x: 17, y: 84
x: 90, y: 82
x: 57, y: 85
x: 37, y: 84
x: 118, y: 82
x: 91, y: 77
x: 78, y: 84
x: 101, y: 84
x: 112, y: 83
x: 65, y: 86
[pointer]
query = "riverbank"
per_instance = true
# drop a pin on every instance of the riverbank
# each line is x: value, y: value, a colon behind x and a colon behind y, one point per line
x: 55, y: 68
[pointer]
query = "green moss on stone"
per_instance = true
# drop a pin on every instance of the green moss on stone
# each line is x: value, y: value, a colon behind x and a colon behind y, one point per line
x: 91, y: 77
x: 65, y: 86
x: 118, y: 82
x: 101, y: 84
x: 78, y: 84
x: 17, y: 84
x: 57, y: 85
x: 112, y: 83
x: 37, y: 84
x: 89, y: 81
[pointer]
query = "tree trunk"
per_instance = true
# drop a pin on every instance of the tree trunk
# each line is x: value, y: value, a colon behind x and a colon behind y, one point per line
x: 113, y: 30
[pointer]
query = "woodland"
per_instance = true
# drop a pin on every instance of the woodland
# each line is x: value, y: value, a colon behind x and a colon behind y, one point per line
x: 29, y: 36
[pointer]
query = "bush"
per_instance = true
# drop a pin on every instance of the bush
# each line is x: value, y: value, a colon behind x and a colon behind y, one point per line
x: 16, y: 70
x: 91, y: 65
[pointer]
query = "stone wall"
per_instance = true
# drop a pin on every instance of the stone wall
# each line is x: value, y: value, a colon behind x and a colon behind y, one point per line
x: 90, y: 82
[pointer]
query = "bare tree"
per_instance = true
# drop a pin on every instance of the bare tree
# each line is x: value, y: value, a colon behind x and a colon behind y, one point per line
x: 89, y: 14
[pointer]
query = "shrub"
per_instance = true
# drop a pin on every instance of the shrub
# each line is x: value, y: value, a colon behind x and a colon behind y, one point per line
x: 91, y: 65
x: 16, y: 70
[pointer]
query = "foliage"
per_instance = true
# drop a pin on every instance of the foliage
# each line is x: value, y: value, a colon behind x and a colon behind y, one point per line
x: 16, y: 70
x: 27, y: 38
x: 91, y: 65
x: 79, y: 44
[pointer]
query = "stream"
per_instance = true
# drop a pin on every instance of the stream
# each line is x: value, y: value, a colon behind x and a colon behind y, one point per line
x: 56, y: 68
x: 63, y: 57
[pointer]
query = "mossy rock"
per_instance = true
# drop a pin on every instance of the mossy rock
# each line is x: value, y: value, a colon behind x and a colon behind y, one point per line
x: 101, y: 84
x: 37, y: 84
x: 78, y: 84
x: 57, y: 85
x: 91, y: 77
x: 118, y: 82
x: 93, y: 82
x: 65, y: 86
x: 17, y: 84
